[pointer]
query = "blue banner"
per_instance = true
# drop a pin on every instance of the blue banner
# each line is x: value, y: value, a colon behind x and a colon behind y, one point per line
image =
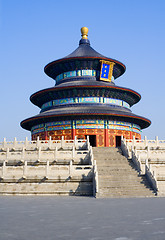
x: 105, y: 71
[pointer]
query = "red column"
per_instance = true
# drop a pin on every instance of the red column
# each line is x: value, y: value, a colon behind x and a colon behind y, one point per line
x: 46, y: 135
x: 131, y: 137
x: 73, y: 130
x: 106, y: 138
x: 73, y: 133
x: 106, y: 133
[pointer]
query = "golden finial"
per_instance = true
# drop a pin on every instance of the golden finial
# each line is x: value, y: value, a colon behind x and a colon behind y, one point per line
x: 84, y: 32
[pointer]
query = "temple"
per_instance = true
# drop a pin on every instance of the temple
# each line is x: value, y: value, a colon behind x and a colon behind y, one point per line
x: 85, y: 100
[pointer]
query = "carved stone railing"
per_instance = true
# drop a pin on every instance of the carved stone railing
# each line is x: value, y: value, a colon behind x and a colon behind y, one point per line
x: 151, y: 176
x: 136, y: 149
x: 124, y: 147
x: 95, y: 172
x: 46, y: 171
x: 143, y: 143
x: 129, y: 152
x: 136, y: 160
x: 95, y: 179
x: 39, y: 155
x: 44, y: 144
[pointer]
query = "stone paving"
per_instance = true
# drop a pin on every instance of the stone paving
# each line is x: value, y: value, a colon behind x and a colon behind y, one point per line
x: 61, y: 218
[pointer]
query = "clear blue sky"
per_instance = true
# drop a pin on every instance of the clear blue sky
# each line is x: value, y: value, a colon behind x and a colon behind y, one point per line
x: 35, y: 32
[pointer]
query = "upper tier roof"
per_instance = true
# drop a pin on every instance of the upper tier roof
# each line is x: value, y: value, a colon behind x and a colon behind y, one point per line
x: 84, y: 50
x: 84, y: 57
x: 72, y: 90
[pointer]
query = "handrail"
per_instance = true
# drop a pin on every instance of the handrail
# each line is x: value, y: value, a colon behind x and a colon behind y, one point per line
x: 95, y: 172
x: 126, y: 144
x: 137, y: 161
x: 151, y: 176
x: 95, y: 179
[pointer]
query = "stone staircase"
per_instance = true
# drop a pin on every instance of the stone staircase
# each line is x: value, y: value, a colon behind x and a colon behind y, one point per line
x: 117, y: 176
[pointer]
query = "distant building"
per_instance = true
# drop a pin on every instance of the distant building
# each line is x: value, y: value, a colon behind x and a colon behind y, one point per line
x: 85, y: 100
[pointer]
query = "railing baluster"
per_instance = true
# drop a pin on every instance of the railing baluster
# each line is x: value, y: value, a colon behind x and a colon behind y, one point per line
x: 24, y: 170
x: 3, y: 169
x: 47, y: 169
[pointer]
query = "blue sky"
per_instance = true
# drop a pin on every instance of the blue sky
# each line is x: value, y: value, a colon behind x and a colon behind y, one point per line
x: 36, y: 32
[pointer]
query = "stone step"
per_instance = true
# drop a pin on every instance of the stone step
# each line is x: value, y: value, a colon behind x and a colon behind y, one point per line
x: 107, y: 153
x: 128, y: 193
x: 124, y: 184
x: 110, y: 150
x: 123, y: 189
x: 110, y: 161
x: 122, y: 181
x: 116, y: 171
x: 120, y: 185
x: 68, y: 193
x: 102, y: 159
x: 70, y: 188
x: 124, y: 171
x: 124, y: 195
x: 108, y: 178
x: 106, y: 164
x: 129, y: 178
x: 122, y: 165
x: 117, y: 165
x: 130, y: 188
x: 111, y: 168
x: 106, y: 148
x: 108, y: 156
x: 113, y: 163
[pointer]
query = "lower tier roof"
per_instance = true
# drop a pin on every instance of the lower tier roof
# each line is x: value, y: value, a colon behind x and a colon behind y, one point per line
x: 83, y: 112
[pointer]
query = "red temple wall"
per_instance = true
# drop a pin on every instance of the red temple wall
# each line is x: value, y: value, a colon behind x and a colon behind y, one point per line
x: 104, y: 137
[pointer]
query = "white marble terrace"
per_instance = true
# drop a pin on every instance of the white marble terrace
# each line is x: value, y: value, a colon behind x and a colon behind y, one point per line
x: 47, y: 159
x: 54, y: 159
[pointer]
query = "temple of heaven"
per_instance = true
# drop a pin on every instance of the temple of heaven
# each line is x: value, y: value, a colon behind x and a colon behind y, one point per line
x: 85, y: 100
